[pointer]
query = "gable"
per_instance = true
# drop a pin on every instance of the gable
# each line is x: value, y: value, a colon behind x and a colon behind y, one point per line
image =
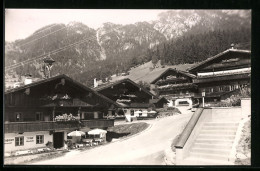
x: 173, y: 74
x: 227, y: 60
x: 61, y: 87
x: 126, y: 88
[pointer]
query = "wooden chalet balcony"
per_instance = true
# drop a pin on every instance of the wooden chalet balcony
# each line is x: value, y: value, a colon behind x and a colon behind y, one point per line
x: 176, y: 86
x: 19, y: 127
x: 221, y: 78
x: 99, y: 123
x: 178, y: 95
x: 171, y: 80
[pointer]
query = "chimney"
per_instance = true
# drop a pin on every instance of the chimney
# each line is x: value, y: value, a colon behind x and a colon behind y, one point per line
x: 28, y: 79
x: 95, y: 83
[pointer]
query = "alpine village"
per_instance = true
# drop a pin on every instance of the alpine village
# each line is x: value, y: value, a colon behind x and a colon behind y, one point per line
x: 175, y: 91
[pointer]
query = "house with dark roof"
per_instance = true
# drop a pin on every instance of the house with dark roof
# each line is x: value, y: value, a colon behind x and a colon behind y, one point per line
x: 176, y: 86
x: 132, y: 97
x: 160, y: 102
x: 223, y: 74
x: 45, y: 111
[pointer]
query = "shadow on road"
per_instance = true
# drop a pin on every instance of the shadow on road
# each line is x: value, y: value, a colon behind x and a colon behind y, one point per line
x: 111, y: 135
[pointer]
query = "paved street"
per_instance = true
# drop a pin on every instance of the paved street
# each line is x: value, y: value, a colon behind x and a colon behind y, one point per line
x: 146, y: 148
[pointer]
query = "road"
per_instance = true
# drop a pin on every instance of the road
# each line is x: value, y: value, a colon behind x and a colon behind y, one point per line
x: 146, y: 148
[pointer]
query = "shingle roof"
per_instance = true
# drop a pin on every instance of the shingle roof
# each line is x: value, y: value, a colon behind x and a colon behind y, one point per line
x: 218, y: 55
x: 157, y: 100
x: 108, y: 85
x: 58, y: 77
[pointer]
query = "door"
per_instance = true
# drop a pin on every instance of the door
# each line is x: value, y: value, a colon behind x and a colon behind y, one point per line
x: 58, y: 139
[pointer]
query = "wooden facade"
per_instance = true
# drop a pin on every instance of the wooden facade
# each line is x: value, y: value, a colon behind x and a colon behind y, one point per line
x: 219, y: 77
x: 222, y: 74
x: 175, y: 85
x: 129, y: 95
x: 33, y: 107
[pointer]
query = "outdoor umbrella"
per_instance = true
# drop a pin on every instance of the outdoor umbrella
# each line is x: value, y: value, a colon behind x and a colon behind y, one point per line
x: 76, y: 133
x: 96, y: 131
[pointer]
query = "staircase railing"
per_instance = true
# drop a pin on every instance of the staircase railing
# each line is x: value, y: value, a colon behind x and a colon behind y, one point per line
x: 188, y: 129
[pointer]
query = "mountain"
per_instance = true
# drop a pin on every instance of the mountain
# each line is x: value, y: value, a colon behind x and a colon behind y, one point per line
x: 85, y: 53
x: 176, y: 23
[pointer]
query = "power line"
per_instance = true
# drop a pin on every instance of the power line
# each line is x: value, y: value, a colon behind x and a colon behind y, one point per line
x: 41, y: 31
x: 49, y: 53
x: 42, y: 36
x: 42, y: 56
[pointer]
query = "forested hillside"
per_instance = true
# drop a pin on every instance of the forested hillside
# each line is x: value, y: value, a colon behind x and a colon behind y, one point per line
x: 198, y: 47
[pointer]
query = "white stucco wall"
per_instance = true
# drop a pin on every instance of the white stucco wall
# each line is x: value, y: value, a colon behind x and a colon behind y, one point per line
x: 246, y: 106
x: 29, y: 140
x: 184, y: 99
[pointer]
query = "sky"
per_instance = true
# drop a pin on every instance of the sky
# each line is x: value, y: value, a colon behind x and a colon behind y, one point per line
x: 20, y: 23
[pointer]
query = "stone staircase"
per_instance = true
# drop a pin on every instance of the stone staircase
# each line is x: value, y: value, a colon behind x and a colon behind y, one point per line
x: 213, y: 144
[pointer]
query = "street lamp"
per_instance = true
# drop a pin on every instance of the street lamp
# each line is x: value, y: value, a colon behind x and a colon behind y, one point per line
x: 203, y: 95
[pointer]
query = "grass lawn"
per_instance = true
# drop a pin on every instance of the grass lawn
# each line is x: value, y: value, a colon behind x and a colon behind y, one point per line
x: 119, y: 131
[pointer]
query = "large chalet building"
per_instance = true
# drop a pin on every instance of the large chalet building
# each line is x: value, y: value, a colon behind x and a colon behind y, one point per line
x: 222, y: 75
x: 33, y: 112
x: 131, y: 97
x: 176, y: 86
x: 219, y: 77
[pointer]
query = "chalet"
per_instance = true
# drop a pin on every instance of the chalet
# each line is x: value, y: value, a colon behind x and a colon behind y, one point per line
x: 160, y: 102
x: 222, y: 75
x: 133, y: 99
x: 176, y: 86
x: 45, y: 111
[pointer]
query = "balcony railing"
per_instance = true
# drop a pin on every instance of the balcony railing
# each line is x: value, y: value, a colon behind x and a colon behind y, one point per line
x: 221, y: 78
x: 20, y: 127
x: 99, y: 123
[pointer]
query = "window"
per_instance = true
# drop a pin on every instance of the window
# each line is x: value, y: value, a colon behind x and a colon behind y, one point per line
x: 221, y: 88
x: 19, y: 141
x: 232, y: 87
x: 38, y: 116
x: 18, y: 116
x: 210, y: 90
x: 39, y: 139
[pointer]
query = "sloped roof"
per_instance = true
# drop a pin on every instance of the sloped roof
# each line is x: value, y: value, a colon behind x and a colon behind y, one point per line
x: 108, y: 85
x: 59, y: 77
x: 157, y: 100
x: 151, y: 75
x: 175, y: 70
x: 217, y: 56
